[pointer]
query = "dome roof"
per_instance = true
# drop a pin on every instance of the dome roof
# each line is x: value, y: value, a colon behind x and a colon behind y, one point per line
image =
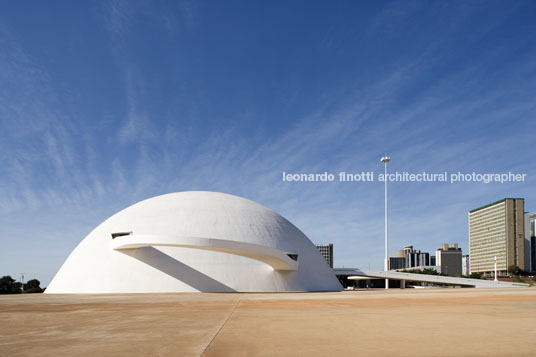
x: 194, y: 241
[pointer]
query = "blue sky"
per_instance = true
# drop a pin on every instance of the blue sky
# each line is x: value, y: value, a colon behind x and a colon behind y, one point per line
x: 103, y: 104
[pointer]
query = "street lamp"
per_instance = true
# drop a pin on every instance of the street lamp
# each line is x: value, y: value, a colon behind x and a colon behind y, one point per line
x: 385, y: 160
x: 495, y: 269
x: 22, y: 280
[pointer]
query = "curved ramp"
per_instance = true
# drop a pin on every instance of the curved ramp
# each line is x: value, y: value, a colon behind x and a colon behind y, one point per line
x: 276, y: 258
x: 357, y: 274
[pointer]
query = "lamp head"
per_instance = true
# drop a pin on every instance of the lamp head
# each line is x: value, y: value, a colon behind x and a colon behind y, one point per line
x: 385, y: 159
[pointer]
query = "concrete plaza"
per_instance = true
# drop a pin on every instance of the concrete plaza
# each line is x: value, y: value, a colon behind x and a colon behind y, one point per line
x: 411, y: 322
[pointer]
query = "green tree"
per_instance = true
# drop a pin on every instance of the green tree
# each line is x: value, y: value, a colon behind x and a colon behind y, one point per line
x: 426, y: 271
x: 8, y: 285
x: 429, y: 271
x: 517, y: 279
x: 32, y: 286
x: 475, y: 276
x: 514, y: 270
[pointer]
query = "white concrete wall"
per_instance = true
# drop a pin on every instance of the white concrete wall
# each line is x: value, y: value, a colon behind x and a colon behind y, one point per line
x: 94, y: 267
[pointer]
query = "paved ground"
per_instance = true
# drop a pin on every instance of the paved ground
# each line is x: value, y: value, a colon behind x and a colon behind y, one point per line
x: 424, y: 322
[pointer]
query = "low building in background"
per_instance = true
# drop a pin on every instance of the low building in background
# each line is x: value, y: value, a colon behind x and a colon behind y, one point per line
x: 418, y: 259
x: 465, y: 265
x: 410, y: 258
x: 449, y: 259
x: 413, y: 257
x: 327, y: 252
x: 530, y: 240
x: 396, y: 263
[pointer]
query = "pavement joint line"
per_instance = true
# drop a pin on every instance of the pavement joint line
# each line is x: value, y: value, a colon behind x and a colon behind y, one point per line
x: 222, y: 325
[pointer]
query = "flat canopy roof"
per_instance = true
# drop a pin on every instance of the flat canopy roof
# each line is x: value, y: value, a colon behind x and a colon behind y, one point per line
x: 359, y: 274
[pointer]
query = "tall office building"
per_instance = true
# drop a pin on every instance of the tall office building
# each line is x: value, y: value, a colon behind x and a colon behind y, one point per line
x: 497, y: 230
x: 327, y: 252
x: 449, y: 259
x: 530, y: 240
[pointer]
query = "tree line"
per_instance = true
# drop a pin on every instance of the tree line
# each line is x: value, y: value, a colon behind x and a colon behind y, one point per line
x: 8, y: 285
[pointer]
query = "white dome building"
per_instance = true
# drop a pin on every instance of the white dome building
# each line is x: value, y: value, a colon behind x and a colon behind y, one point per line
x: 194, y: 242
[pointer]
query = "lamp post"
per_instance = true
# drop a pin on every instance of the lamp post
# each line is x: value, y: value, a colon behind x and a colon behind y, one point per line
x: 22, y: 281
x: 495, y: 269
x: 385, y: 160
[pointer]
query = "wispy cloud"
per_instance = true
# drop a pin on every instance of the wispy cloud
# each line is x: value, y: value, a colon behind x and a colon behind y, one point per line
x: 136, y: 127
x: 429, y: 109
